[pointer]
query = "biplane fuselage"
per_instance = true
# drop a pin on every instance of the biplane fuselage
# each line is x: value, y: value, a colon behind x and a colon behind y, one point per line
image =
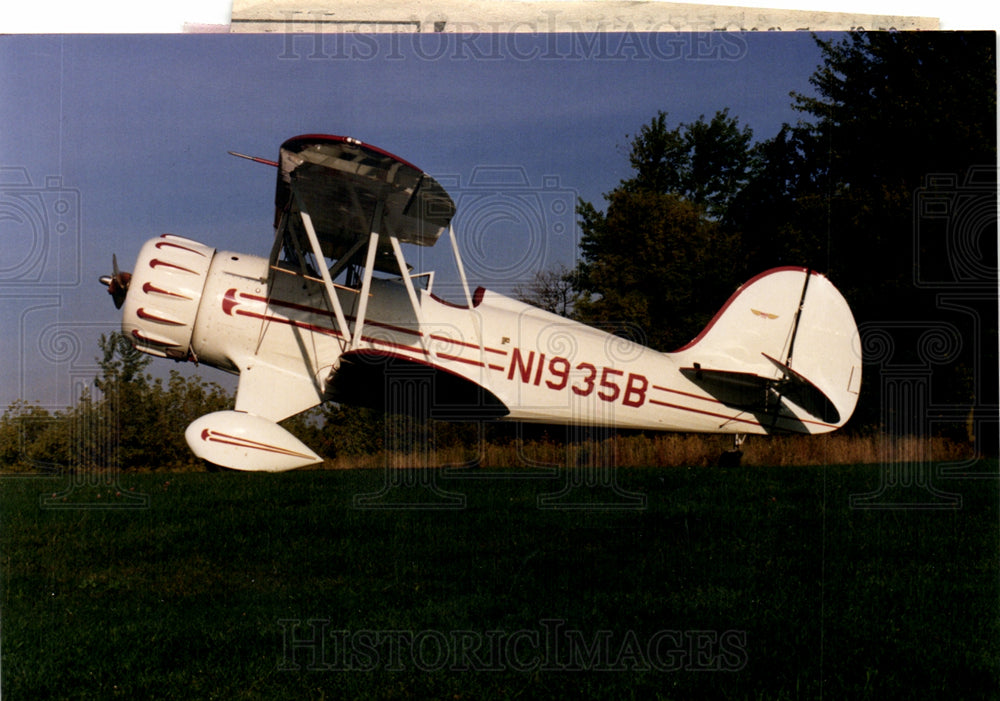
x: 297, y: 338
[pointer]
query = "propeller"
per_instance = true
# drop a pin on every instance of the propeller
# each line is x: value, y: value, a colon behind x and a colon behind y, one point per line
x: 117, y: 283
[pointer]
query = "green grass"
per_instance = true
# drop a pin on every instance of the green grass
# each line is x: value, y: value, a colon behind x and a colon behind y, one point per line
x: 745, y: 583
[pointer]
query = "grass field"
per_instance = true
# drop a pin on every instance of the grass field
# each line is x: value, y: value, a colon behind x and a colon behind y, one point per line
x: 641, y: 583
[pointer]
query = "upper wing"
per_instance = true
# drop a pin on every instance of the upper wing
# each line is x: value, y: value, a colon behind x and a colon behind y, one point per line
x: 350, y: 190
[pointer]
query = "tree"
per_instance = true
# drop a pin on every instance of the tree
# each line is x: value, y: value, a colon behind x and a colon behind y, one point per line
x: 177, y: 403
x: 891, y: 113
x: 891, y: 110
x: 897, y: 117
x: 655, y: 268
x: 777, y: 210
x: 131, y: 421
x: 123, y: 407
x: 704, y: 162
x: 551, y: 290
x: 122, y: 364
x: 148, y: 415
x: 21, y: 426
x: 894, y: 116
x: 661, y: 259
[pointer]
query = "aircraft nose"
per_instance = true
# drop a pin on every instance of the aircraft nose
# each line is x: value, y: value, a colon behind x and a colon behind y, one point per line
x: 116, y: 283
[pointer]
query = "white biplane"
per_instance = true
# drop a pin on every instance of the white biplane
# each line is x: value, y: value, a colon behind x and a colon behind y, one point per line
x: 334, y: 313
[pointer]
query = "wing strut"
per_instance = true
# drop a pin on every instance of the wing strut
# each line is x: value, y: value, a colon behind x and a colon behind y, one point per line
x: 346, y: 258
x: 366, y: 280
x: 331, y: 292
x: 458, y: 264
x: 408, y: 283
x: 279, y: 238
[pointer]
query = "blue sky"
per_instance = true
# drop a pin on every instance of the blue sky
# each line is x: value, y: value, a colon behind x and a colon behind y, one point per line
x: 111, y: 140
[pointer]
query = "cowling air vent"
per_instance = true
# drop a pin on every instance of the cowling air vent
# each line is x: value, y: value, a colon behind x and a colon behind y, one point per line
x: 164, y: 294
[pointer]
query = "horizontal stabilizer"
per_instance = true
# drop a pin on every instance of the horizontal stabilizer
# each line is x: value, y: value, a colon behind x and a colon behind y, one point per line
x: 755, y: 392
x: 805, y: 393
x: 738, y: 389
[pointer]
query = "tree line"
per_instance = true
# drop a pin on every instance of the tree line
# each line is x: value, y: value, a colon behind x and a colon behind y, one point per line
x: 131, y: 420
x: 887, y: 185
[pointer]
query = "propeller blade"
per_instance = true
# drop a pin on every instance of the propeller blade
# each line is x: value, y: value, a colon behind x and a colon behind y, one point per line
x: 117, y: 283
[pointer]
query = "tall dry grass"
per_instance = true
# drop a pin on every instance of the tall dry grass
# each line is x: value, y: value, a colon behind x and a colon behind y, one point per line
x: 673, y: 450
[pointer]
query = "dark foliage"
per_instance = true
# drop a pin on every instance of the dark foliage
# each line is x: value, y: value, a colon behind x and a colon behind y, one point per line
x: 888, y: 187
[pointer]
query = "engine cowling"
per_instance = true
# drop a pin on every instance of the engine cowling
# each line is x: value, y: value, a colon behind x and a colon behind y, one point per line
x: 164, y: 294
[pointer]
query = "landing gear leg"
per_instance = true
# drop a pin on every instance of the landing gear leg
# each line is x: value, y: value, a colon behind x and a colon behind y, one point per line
x: 731, y: 458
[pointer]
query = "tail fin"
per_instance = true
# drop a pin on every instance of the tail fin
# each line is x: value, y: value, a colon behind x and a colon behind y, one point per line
x: 784, y: 347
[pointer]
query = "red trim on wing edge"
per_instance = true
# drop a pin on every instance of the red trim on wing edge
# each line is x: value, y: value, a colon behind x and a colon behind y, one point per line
x: 331, y: 138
